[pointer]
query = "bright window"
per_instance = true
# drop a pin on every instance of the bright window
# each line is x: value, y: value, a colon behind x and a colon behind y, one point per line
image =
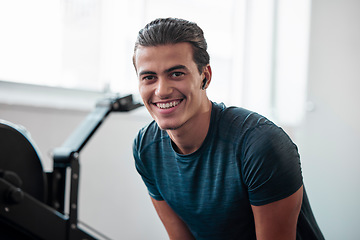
x: 258, y: 48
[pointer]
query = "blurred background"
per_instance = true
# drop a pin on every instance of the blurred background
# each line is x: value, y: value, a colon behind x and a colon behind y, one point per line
x: 295, y: 61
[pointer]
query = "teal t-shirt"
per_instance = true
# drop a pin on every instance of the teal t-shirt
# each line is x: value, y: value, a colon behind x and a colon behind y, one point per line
x: 244, y: 160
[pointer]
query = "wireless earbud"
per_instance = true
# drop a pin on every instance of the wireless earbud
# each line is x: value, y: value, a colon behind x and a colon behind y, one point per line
x: 204, y: 84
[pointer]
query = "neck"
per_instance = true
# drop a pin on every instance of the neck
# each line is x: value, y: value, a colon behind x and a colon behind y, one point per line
x: 191, y: 135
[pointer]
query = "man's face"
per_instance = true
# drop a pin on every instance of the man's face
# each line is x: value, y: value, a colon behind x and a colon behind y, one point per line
x: 170, y: 84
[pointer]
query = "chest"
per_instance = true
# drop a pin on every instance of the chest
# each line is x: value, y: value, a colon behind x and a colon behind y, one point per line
x: 206, y: 184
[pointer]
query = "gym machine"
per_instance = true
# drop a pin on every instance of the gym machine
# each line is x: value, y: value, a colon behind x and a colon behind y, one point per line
x: 33, y: 202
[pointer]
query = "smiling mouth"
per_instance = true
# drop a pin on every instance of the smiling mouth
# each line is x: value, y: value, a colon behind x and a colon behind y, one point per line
x: 168, y: 104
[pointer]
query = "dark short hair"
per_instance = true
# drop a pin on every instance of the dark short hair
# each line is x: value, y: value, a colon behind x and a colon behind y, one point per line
x: 164, y: 31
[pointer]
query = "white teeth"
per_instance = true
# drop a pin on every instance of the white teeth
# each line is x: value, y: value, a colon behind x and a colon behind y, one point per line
x: 167, y: 105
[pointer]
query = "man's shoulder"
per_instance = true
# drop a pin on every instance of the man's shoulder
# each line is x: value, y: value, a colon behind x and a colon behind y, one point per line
x: 238, y: 117
x: 149, y: 134
x: 234, y: 124
x: 151, y: 127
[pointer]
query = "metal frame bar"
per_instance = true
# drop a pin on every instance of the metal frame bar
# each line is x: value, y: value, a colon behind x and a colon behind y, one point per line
x: 50, y: 221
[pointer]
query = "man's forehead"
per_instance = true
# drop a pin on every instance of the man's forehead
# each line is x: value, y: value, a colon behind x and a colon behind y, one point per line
x: 164, y: 57
x: 167, y: 49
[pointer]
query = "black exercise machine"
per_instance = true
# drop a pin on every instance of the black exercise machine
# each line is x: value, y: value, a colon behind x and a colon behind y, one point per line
x: 32, y: 202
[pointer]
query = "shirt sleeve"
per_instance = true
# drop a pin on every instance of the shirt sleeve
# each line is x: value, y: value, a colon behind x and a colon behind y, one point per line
x: 271, y: 165
x: 146, y: 177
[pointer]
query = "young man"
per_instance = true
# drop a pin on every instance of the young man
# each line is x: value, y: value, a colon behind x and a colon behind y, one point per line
x: 212, y: 172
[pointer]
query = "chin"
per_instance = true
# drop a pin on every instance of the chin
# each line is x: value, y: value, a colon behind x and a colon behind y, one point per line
x: 169, y: 126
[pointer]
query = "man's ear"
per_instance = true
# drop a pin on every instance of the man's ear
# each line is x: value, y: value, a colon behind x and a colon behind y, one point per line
x: 203, y: 87
x: 206, y: 76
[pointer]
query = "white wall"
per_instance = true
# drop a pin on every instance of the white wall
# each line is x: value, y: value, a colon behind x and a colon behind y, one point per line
x: 329, y: 138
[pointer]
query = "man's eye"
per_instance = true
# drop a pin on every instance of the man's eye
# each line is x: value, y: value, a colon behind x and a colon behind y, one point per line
x: 177, y: 74
x: 148, y: 78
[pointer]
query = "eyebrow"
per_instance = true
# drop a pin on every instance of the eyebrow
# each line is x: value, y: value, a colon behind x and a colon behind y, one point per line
x: 147, y: 72
x: 177, y: 67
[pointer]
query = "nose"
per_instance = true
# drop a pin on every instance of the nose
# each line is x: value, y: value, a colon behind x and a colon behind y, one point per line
x: 163, y: 88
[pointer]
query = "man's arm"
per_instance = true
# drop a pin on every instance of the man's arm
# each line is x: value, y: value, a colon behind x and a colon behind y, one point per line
x: 278, y: 220
x: 175, y: 227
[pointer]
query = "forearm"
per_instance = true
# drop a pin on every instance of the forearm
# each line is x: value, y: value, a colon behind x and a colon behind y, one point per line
x: 175, y: 227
